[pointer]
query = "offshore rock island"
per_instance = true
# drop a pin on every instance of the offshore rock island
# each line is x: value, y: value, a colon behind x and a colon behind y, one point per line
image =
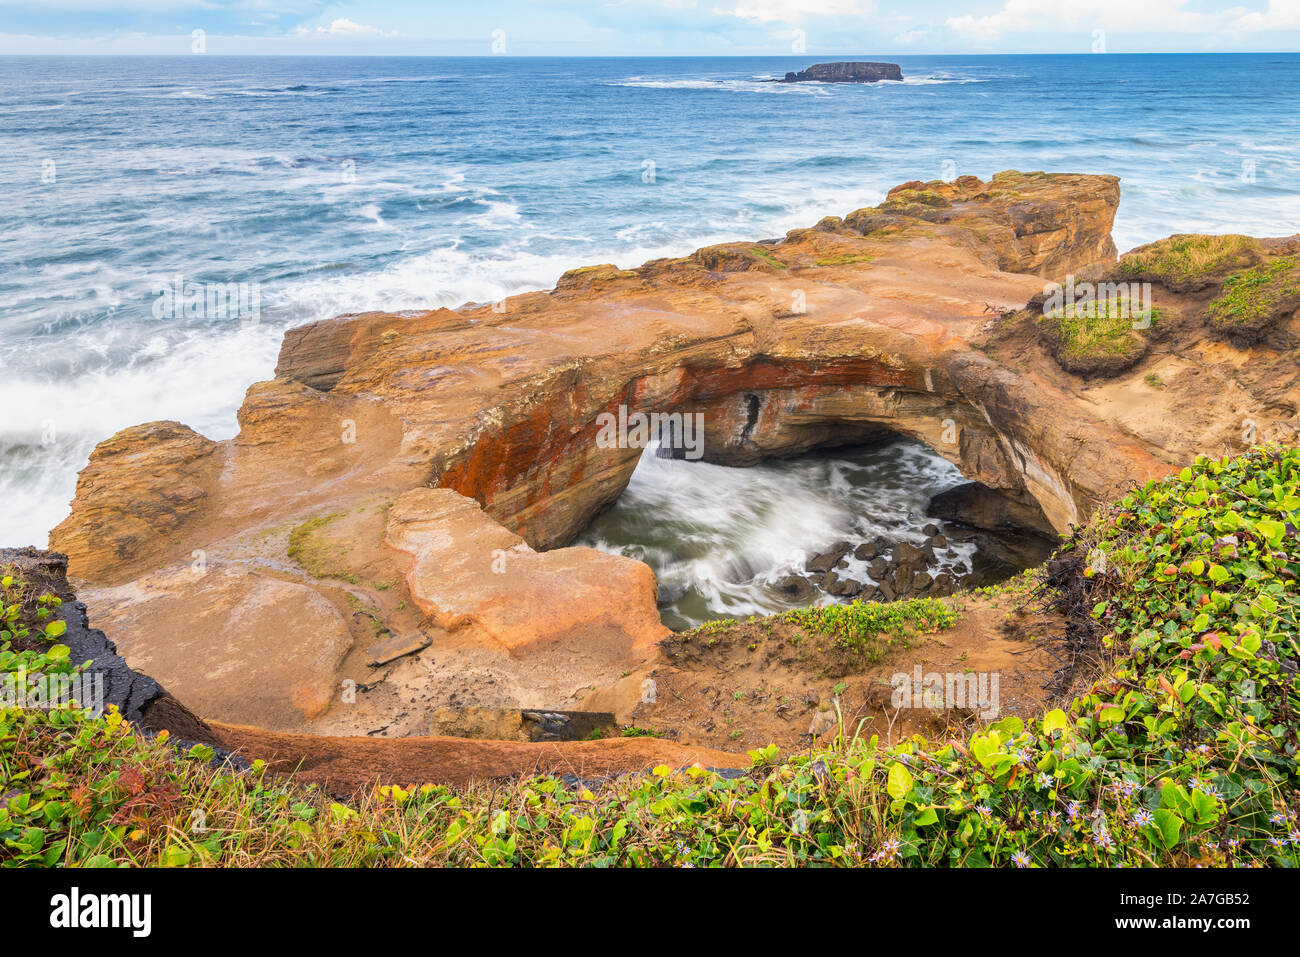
x: 394, y: 513
x: 845, y: 72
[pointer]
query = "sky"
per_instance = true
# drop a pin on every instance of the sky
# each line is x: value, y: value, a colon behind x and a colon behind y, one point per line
x: 859, y: 28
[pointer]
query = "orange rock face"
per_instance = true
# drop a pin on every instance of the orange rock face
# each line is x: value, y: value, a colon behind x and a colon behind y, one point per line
x: 468, y: 569
x: 446, y: 442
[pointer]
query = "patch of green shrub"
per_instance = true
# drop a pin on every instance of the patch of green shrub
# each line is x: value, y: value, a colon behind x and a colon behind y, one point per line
x: 1098, y: 336
x: 873, y: 627
x: 1254, y: 299
x: 1188, y: 261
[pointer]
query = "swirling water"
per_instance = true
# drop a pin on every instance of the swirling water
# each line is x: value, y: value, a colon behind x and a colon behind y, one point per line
x: 718, y: 538
x: 339, y: 185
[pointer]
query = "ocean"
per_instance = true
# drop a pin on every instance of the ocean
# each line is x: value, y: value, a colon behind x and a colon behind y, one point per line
x: 332, y: 185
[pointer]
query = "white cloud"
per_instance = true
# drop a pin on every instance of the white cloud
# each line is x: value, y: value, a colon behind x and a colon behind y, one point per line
x: 343, y: 27
x: 1280, y: 15
x: 794, y: 11
x: 1044, y: 16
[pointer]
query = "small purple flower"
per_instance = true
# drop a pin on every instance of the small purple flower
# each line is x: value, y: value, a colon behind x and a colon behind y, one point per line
x: 1278, y: 818
x: 1142, y: 818
x: 1021, y: 859
x: 1044, y: 781
x: 984, y: 810
x: 1104, y: 839
x: 1294, y: 837
x: 1072, y: 809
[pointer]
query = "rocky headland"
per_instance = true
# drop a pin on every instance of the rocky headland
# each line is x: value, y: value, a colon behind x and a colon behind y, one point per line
x: 385, y: 538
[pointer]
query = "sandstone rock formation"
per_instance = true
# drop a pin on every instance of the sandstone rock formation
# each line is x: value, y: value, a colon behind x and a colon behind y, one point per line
x: 396, y: 459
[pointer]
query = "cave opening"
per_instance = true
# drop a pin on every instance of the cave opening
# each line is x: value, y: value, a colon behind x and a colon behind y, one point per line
x: 880, y: 521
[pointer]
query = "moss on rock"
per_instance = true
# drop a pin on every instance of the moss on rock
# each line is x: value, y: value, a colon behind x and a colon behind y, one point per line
x: 1098, y: 337
x: 1254, y: 300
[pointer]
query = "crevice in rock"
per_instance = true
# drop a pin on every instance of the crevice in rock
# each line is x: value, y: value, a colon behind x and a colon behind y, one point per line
x: 752, y: 405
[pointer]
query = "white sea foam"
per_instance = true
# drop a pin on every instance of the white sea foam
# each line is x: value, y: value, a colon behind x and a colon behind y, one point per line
x: 719, y: 537
x: 731, y: 86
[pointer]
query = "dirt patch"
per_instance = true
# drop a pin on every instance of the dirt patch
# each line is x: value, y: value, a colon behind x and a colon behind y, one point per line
x: 350, y: 765
x: 767, y: 681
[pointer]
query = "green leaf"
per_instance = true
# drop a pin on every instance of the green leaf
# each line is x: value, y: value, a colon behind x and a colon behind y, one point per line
x: 1271, y: 530
x: 1169, y: 825
x: 1055, y: 720
x: 900, y: 782
x: 56, y: 628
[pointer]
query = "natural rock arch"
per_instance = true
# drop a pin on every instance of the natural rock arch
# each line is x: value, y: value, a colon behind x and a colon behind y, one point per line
x: 381, y: 432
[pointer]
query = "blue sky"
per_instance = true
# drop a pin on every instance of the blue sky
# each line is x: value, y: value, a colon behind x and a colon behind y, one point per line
x: 648, y: 27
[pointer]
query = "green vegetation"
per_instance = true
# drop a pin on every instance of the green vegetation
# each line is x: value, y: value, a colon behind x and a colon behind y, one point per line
x: 710, y: 629
x: 319, y: 556
x: 847, y: 259
x: 1153, y: 380
x: 872, y: 628
x: 925, y: 197
x: 1098, y: 336
x: 1253, y: 299
x: 762, y: 255
x: 1182, y: 752
x: 632, y: 731
x: 1189, y: 261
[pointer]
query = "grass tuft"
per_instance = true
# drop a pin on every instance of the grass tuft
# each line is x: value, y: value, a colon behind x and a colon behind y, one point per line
x: 1253, y: 300
x: 1186, y: 262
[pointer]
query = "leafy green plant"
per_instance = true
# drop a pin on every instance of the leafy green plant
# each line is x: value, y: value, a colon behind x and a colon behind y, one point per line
x: 632, y: 731
x: 871, y: 628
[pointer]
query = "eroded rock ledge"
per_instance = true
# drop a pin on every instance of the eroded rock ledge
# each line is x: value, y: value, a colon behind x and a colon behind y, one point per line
x: 419, y: 475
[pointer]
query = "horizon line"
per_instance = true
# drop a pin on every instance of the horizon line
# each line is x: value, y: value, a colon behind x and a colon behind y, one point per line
x: 643, y: 56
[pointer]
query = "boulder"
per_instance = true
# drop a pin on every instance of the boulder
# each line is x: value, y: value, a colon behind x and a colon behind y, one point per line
x: 469, y: 571
x: 794, y: 588
x: 828, y: 559
x: 276, y: 663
